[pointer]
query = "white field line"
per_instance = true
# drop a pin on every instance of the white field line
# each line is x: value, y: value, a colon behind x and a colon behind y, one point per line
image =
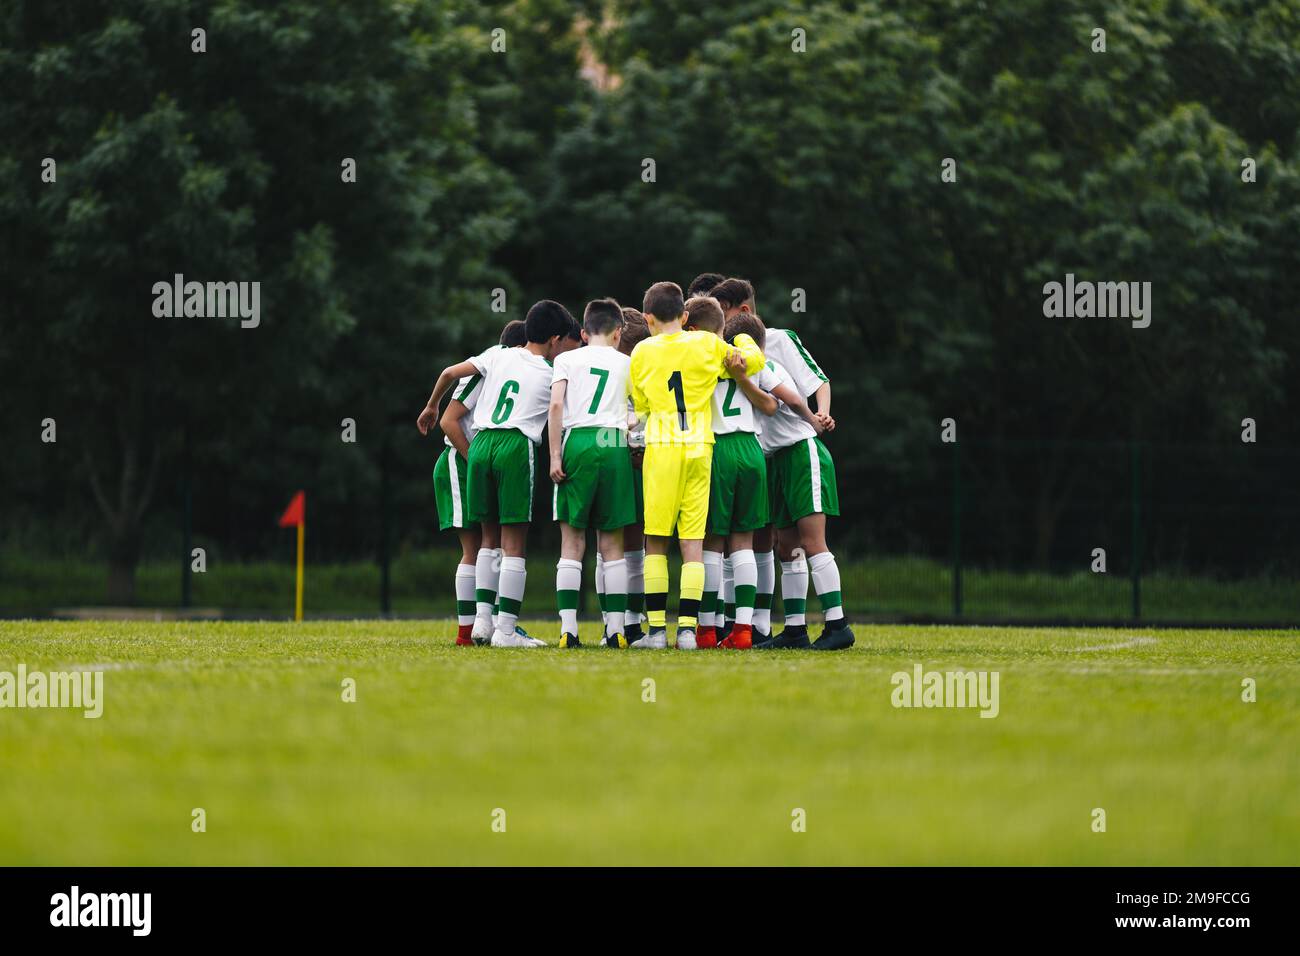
x: 1120, y: 645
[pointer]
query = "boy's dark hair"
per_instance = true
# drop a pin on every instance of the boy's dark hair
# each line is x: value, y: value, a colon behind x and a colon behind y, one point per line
x: 575, y: 330
x: 733, y: 292
x: 602, y: 317
x: 635, y: 329
x: 703, y: 284
x: 705, y: 314
x: 514, y: 334
x: 748, y: 323
x: 547, y: 319
x: 664, y: 301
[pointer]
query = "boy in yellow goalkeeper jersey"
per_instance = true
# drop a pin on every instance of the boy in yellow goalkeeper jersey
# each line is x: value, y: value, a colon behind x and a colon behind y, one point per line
x: 672, y: 380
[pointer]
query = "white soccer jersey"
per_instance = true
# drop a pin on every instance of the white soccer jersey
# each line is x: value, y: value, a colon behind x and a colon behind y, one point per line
x: 466, y: 392
x: 784, y: 348
x: 516, y: 391
x: 732, y: 409
x: 596, y: 394
x: 785, y: 427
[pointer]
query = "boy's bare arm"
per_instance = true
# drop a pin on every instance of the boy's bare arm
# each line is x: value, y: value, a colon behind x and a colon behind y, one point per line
x: 823, y: 397
x: 452, y: 428
x: 760, y: 399
x: 792, y: 398
x: 555, y: 429
x: 452, y: 373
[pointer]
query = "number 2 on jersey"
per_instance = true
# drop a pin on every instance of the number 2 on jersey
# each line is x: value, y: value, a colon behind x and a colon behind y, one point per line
x: 728, y: 409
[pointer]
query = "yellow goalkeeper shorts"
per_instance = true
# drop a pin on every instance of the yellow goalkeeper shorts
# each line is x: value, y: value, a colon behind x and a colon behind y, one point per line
x: 676, y: 482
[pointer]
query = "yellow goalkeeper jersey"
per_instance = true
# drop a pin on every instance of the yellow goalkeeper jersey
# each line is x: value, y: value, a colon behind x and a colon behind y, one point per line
x: 672, y: 381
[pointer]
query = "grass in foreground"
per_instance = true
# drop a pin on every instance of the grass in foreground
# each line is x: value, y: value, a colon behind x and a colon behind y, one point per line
x: 246, y: 721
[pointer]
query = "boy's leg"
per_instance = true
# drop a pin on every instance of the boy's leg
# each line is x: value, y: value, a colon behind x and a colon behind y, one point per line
x: 664, y: 476
x: 481, y: 508
x: 745, y: 570
x: 692, y: 522
x: 811, y: 495
x: 568, y: 581
x: 794, y: 578
x: 727, y: 594
x: 466, y: 572
x: 765, y: 563
x: 707, y: 635
x: 514, y: 466
x: 514, y: 575
x: 611, y: 547
x: 634, y: 554
x: 600, y: 589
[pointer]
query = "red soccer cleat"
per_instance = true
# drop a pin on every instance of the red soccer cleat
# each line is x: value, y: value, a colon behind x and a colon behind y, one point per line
x: 706, y: 637
x: 462, y: 635
x: 741, y: 637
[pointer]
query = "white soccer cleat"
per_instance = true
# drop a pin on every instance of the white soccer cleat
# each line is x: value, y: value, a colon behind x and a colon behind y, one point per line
x: 656, y: 640
x: 686, y: 639
x: 483, y: 630
x: 514, y: 640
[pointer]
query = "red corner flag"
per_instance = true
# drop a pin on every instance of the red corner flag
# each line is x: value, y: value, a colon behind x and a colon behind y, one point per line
x: 296, y: 515
x: 296, y: 512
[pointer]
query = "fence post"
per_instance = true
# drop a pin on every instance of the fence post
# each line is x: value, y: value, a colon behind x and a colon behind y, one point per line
x: 187, y: 525
x: 956, y: 529
x: 1136, y: 546
x: 385, y: 602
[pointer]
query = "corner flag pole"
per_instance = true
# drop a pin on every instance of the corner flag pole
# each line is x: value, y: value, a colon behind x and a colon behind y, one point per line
x: 296, y: 515
x: 297, y: 602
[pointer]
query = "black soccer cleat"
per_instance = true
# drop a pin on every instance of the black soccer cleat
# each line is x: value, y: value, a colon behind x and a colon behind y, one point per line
x: 633, y: 632
x: 793, y: 638
x: 836, y: 636
x: 570, y: 640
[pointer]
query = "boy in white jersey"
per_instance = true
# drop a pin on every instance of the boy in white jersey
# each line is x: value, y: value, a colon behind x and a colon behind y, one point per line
x: 802, y: 481
x: 738, y: 496
x: 591, y: 468
x: 476, y: 575
x: 510, y: 415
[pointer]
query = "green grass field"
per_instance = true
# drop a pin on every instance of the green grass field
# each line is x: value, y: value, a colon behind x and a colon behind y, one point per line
x: 247, y: 721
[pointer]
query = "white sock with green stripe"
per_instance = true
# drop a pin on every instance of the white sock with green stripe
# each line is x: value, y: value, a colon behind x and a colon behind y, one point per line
x: 765, y: 562
x: 486, y: 572
x: 615, y: 595
x: 600, y: 590
x: 727, y: 594
x: 712, y: 582
x: 826, y: 582
x: 744, y: 576
x: 510, y: 593
x: 465, y: 574
x: 568, y: 581
x: 794, y: 590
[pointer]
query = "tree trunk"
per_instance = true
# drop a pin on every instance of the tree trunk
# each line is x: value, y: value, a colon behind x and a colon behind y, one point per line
x: 123, y: 556
x: 124, y: 512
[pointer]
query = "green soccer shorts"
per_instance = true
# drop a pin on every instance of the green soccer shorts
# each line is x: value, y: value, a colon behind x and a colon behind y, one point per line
x: 502, y: 463
x: 802, y: 482
x: 450, y: 480
x: 738, y: 498
x: 598, y: 490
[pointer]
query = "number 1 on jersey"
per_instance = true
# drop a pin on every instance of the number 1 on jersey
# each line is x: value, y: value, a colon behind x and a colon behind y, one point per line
x: 675, y: 386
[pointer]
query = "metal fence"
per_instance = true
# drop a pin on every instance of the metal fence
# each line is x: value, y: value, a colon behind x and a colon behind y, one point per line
x: 1049, y: 531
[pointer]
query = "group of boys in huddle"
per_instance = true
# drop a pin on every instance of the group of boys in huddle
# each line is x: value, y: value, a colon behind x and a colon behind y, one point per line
x: 688, y: 419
